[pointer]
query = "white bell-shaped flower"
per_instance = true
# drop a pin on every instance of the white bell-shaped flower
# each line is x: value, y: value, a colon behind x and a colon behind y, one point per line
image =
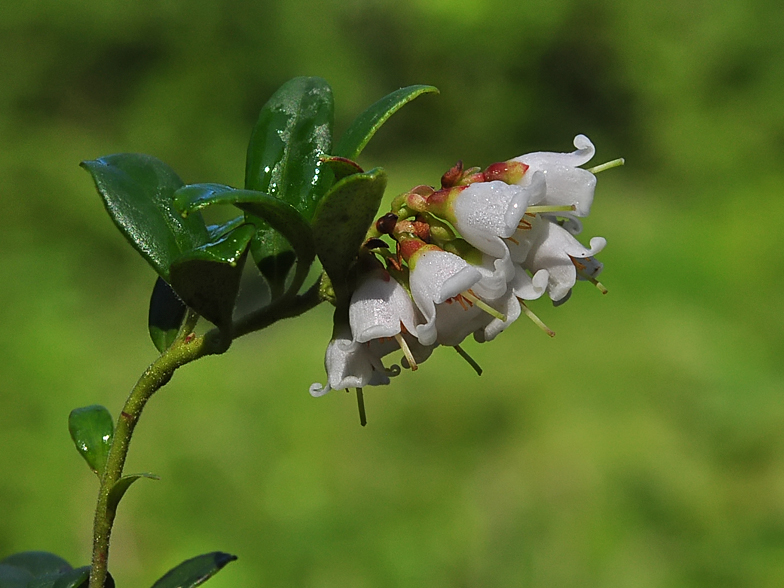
x: 553, y: 248
x: 381, y: 307
x: 350, y: 364
x: 437, y: 276
x: 486, y: 213
x: 567, y: 184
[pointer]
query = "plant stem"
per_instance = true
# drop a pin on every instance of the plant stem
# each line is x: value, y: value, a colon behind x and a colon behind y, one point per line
x: 184, y: 350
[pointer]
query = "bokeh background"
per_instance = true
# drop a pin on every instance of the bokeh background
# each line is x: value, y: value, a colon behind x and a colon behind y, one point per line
x: 643, y: 446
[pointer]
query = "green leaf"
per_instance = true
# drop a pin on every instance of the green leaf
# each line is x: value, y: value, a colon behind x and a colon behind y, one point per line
x: 167, y: 311
x: 76, y: 578
x: 14, y: 577
x: 293, y: 132
x: 92, y: 429
x: 366, y: 124
x: 195, y: 571
x: 208, y: 278
x: 342, y: 220
x: 137, y: 191
x: 121, y: 486
x: 37, y: 563
x: 283, y: 218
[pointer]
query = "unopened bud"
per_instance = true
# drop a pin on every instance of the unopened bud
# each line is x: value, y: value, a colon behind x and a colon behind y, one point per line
x: 510, y: 172
x: 386, y: 224
x: 453, y: 176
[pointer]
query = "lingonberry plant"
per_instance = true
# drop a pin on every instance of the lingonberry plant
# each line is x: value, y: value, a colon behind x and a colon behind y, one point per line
x: 442, y: 264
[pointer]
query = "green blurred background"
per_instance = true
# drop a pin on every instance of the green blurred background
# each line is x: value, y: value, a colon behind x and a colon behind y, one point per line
x: 642, y: 447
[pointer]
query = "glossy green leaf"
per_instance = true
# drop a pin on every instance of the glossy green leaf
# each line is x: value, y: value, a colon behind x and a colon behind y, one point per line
x: 208, y: 278
x: 342, y: 220
x: 121, y: 487
x: 37, y: 563
x: 366, y: 124
x: 282, y: 218
x: 14, y: 577
x: 167, y: 311
x: 293, y: 132
x: 137, y: 191
x: 195, y: 571
x: 92, y: 429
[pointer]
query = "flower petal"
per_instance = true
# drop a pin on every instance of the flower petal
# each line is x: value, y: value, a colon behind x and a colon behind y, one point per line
x: 437, y: 276
x: 379, y: 306
x: 567, y: 184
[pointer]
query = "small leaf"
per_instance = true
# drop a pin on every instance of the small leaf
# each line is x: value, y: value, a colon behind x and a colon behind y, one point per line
x: 137, y: 191
x: 121, y: 487
x: 92, y: 429
x: 194, y: 572
x: 342, y: 167
x: 167, y: 311
x: 283, y: 218
x: 208, y: 278
x: 76, y: 579
x: 342, y: 220
x: 293, y: 132
x: 366, y: 124
x: 14, y: 577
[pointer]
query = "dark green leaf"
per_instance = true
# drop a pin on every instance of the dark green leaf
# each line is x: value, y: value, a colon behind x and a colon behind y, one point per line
x: 342, y: 167
x: 92, y: 429
x: 366, y: 124
x: 208, y: 278
x: 293, y: 132
x: 121, y: 486
x: 73, y: 579
x: 342, y: 220
x: 196, y: 571
x: 14, y: 577
x: 167, y: 312
x: 283, y: 219
x: 137, y: 191
x: 37, y: 563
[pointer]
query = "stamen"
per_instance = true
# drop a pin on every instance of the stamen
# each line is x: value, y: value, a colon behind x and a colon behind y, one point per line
x: 466, y: 304
x: 471, y: 297
x: 537, y: 321
x: 407, y: 352
x: 551, y: 208
x: 524, y: 225
x: 609, y: 165
x: 470, y: 360
x: 361, y: 407
x: 515, y: 241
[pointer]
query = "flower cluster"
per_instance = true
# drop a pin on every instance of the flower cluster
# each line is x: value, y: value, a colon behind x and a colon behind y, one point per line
x: 464, y: 260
